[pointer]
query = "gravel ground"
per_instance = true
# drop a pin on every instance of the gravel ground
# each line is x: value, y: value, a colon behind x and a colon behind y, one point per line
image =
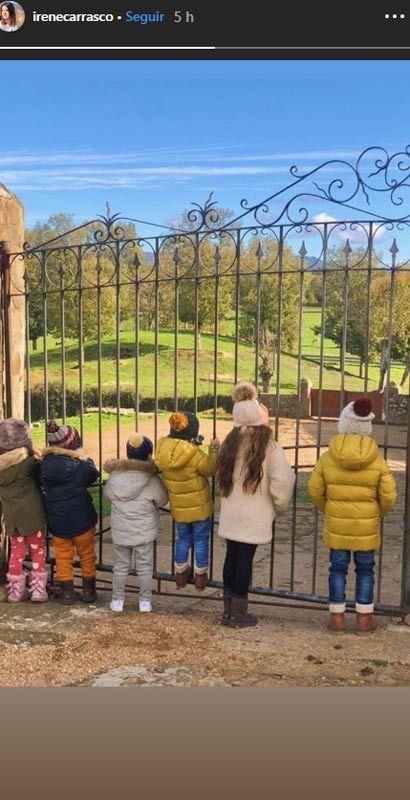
x: 183, y: 644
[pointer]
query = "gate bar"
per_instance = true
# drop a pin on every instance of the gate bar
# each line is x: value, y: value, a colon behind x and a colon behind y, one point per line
x: 405, y: 597
x: 5, y: 306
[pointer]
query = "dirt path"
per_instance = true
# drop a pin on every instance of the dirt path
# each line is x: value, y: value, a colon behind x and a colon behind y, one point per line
x: 308, y: 436
x: 183, y: 644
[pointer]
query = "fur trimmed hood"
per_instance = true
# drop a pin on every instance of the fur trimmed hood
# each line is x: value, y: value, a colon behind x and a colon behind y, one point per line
x: 130, y: 465
x: 13, y: 457
x: 80, y: 454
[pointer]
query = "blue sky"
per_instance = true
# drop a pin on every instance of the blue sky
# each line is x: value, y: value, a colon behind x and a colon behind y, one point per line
x: 150, y: 137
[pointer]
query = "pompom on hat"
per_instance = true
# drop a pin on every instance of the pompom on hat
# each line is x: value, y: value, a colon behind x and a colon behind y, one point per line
x: 64, y: 436
x: 183, y: 425
x: 357, y: 417
x: 246, y: 409
x: 139, y: 447
x: 14, y: 433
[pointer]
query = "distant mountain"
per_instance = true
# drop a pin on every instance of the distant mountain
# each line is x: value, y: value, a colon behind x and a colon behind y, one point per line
x: 313, y: 263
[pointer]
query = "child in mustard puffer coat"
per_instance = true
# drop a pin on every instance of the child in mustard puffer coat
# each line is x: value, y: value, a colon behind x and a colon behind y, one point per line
x: 185, y: 469
x: 353, y: 486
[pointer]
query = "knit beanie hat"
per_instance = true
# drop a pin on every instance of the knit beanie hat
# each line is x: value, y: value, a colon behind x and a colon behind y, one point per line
x: 64, y: 436
x: 139, y: 447
x: 357, y: 417
x: 246, y: 409
x: 14, y: 433
x: 183, y: 425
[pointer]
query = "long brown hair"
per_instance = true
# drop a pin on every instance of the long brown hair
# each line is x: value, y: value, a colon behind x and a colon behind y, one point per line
x: 255, y: 440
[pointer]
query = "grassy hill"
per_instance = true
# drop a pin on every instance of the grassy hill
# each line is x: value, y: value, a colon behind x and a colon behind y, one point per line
x: 166, y: 356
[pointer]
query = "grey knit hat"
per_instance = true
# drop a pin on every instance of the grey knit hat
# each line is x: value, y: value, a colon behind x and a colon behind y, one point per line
x: 14, y: 433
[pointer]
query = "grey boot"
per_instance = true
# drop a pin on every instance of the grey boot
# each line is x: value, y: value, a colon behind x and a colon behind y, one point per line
x: 227, y: 598
x: 239, y: 614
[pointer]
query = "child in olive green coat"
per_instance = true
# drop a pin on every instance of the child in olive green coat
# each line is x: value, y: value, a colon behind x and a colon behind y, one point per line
x: 23, y: 511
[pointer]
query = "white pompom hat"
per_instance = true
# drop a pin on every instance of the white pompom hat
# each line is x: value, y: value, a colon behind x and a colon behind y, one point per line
x: 357, y: 417
x: 246, y: 409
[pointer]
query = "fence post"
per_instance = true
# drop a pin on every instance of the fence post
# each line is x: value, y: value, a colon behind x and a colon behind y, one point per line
x: 5, y: 304
x: 5, y: 378
x: 405, y: 598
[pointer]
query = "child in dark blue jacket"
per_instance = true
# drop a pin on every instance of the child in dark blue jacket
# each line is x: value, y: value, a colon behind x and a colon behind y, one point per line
x: 71, y: 517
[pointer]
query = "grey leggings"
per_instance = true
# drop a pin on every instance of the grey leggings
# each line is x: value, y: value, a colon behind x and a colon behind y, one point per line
x: 144, y: 564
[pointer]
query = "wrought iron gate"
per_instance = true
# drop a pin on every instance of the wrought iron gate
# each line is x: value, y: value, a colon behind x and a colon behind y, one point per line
x: 116, y: 320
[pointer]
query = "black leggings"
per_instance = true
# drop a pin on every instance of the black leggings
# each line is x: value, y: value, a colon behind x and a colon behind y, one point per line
x: 237, y: 573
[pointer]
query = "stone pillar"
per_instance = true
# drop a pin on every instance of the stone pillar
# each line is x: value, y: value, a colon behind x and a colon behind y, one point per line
x: 305, y: 390
x: 398, y: 404
x: 12, y: 232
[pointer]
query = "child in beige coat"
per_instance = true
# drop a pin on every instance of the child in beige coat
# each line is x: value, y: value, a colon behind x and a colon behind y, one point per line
x: 255, y: 482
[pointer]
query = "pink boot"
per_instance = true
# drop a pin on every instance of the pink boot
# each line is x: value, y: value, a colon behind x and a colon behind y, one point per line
x: 38, y: 584
x: 16, y: 588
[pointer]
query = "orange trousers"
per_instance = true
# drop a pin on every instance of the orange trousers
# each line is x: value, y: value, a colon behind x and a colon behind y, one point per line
x: 65, y: 550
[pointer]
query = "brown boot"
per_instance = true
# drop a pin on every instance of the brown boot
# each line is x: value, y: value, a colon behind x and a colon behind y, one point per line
x: 200, y: 581
x: 182, y: 578
x: 239, y: 614
x: 227, y: 598
x: 89, y: 593
x: 337, y: 623
x: 365, y: 623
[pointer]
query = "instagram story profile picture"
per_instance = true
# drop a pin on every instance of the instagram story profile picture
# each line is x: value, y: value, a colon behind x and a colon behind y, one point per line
x: 12, y: 16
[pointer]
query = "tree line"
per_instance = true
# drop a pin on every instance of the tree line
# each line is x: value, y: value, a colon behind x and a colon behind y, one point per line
x: 191, y: 262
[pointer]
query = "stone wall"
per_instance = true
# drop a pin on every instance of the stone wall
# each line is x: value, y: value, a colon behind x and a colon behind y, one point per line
x: 12, y: 232
x: 398, y: 405
x: 288, y: 403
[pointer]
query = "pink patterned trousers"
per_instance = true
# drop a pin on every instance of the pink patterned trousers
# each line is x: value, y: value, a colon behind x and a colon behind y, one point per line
x: 36, y: 542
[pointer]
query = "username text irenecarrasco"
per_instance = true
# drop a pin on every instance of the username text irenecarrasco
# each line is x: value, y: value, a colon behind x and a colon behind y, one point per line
x: 130, y: 16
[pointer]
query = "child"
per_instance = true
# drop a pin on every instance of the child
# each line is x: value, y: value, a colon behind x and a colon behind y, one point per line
x: 71, y: 516
x: 353, y: 486
x: 255, y: 482
x: 23, y: 511
x: 136, y: 494
x: 186, y: 469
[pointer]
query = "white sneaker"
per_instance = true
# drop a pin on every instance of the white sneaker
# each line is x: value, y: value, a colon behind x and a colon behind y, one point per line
x: 117, y: 605
x: 145, y: 606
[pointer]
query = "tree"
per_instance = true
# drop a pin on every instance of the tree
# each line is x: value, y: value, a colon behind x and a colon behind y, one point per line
x: 56, y: 225
x: 366, y: 325
x: 400, y: 334
x: 202, y: 258
x: 53, y: 277
x: 259, y: 290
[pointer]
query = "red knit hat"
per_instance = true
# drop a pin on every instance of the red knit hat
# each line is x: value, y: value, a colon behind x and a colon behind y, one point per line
x: 64, y: 436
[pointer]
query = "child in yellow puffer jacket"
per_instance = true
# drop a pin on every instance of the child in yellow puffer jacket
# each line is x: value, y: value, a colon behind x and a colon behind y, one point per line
x: 185, y: 469
x: 353, y: 486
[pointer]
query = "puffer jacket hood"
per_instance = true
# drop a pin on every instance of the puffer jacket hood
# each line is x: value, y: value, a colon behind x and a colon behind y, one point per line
x: 174, y: 453
x: 186, y: 469
x: 353, y: 486
x: 352, y: 451
x: 128, y: 477
x: 136, y: 494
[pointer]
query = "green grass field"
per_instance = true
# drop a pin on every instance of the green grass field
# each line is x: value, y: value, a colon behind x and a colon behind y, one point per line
x: 166, y: 356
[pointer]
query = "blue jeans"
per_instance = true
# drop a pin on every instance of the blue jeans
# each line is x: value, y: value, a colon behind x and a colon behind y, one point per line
x: 339, y: 565
x: 196, y: 535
